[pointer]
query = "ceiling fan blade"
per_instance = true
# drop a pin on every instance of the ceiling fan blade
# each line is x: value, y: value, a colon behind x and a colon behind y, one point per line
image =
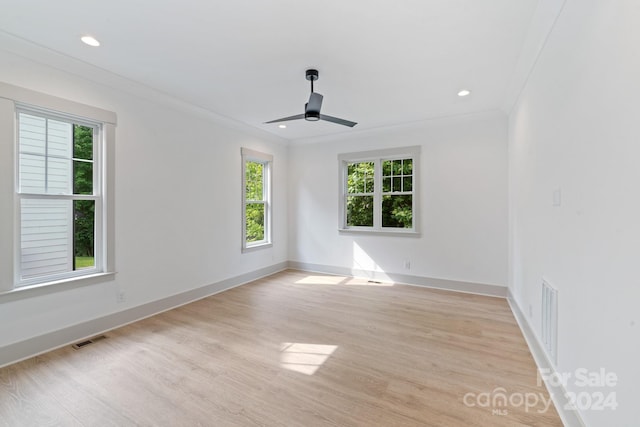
x: 315, y: 103
x: 286, y: 119
x: 337, y: 120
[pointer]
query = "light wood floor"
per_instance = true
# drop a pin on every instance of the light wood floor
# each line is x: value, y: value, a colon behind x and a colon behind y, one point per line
x: 293, y: 349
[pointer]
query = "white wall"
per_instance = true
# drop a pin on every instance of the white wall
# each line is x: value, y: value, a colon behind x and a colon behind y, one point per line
x: 463, y: 203
x: 576, y: 128
x: 178, y: 206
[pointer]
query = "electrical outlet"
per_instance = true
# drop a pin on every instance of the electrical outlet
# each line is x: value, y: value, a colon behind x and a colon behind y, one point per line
x: 530, y: 310
x: 121, y: 297
x: 407, y: 264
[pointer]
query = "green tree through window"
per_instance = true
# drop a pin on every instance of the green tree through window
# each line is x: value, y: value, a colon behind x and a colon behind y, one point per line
x: 360, y: 188
x: 397, y: 197
x: 255, y: 206
x: 378, y: 190
x: 256, y: 199
x: 83, y: 210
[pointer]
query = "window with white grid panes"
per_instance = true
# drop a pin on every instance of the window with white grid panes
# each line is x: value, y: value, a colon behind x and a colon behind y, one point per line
x: 378, y: 190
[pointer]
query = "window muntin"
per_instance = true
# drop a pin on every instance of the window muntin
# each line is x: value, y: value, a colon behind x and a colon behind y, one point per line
x: 59, y: 197
x: 256, y: 203
x: 378, y: 190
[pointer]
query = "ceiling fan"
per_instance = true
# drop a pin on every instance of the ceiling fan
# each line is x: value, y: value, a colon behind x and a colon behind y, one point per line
x: 312, y: 108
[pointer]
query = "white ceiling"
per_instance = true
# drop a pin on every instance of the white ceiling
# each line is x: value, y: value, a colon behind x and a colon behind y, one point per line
x: 381, y: 63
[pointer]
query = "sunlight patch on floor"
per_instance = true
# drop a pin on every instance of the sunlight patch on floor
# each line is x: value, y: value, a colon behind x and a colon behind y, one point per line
x: 366, y: 282
x: 321, y: 280
x: 304, y: 358
x: 340, y: 280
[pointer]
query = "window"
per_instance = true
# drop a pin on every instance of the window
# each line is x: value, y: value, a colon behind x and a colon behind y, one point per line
x: 59, y: 196
x: 377, y: 190
x: 62, y: 210
x: 256, y: 199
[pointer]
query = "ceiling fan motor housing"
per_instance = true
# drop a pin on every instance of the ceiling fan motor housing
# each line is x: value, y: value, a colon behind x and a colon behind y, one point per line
x: 312, y: 116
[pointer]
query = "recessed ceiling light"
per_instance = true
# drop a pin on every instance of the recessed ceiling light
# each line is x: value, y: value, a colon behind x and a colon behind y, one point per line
x: 464, y: 92
x: 90, y: 41
x: 282, y: 126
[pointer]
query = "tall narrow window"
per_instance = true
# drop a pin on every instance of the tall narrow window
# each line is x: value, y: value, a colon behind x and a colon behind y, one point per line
x: 378, y: 190
x: 60, y: 201
x: 256, y: 203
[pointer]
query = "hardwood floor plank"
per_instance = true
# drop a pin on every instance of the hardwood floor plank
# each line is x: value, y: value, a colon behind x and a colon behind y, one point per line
x: 292, y: 349
x: 23, y: 402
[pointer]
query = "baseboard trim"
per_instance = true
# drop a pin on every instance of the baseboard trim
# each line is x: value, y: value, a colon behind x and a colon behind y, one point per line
x: 428, y: 282
x: 30, y: 347
x: 570, y: 418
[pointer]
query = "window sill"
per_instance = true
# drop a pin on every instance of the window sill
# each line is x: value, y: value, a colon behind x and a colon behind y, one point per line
x: 54, y: 286
x: 256, y: 247
x: 375, y: 232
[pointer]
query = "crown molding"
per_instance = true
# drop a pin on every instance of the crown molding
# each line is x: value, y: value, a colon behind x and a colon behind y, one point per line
x: 44, y: 56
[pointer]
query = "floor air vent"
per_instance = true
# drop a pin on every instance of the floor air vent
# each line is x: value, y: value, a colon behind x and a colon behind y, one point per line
x: 85, y: 343
x: 550, y: 320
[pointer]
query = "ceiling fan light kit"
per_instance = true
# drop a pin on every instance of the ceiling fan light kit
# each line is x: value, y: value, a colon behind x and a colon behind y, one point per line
x: 313, y: 107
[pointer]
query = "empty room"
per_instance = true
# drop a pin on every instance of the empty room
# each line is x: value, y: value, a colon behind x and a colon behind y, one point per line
x: 284, y: 213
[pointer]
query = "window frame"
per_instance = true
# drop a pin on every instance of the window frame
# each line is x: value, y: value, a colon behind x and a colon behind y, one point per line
x: 96, y: 196
x: 377, y: 157
x: 248, y: 155
x: 13, y: 100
